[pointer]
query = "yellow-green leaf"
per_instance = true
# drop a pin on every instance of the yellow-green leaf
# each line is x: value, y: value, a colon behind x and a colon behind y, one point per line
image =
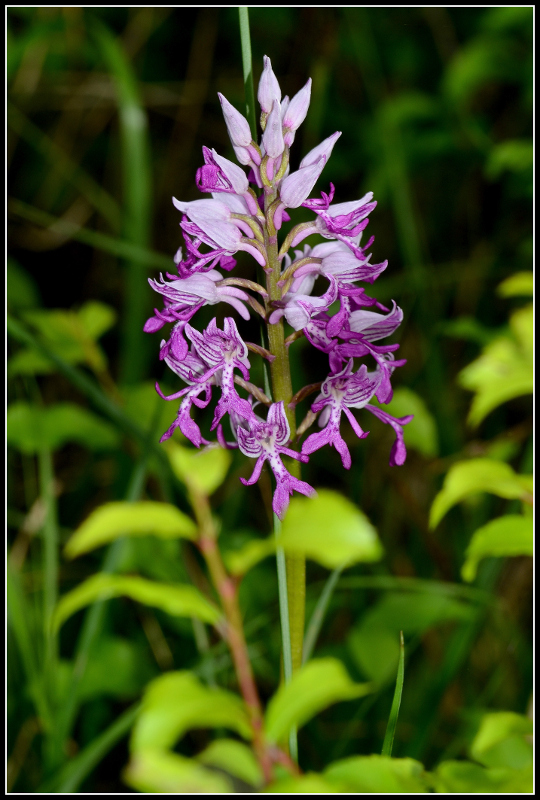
x: 311, y: 783
x: 317, y: 685
x: 202, y: 470
x: 503, y: 740
x: 463, y: 777
x: 235, y: 758
x: 511, y: 535
x: 241, y: 561
x: 31, y: 428
x: 112, y: 520
x: 421, y: 432
x: 478, y: 475
x: 329, y: 529
x: 521, y: 283
x: 177, y: 702
x: 377, y: 775
x: 180, y: 601
x: 162, y: 772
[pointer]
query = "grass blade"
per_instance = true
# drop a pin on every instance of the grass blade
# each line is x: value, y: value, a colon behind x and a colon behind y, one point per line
x: 317, y: 618
x: 116, y: 247
x: 245, y: 39
x: 396, y: 702
x: 96, y: 195
x: 74, y: 773
x: 136, y: 175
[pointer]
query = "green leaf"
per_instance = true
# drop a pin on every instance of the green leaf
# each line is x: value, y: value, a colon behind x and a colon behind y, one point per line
x: 161, y: 772
x: 521, y: 283
x: 241, y: 561
x: 512, y: 155
x: 32, y: 428
x: 421, y: 433
x: 504, y: 370
x: 463, y: 777
x: 235, y: 758
x: 177, y: 702
x: 22, y: 290
x: 481, y: 61
x: 511, y: 535
x: 311, y: 783
x: 140, y: 406
x: 112, y: 520
x: 70, y: 334
x: 478, y: 475
x: 202, y: 470
x: 315, y: 686
x: 96, y: 318
x: 179, y: 601
x: 374, y: 642
x: 116, y: 667
x: 329, y: 529
x: 377, y: 775
x: 501, y: 741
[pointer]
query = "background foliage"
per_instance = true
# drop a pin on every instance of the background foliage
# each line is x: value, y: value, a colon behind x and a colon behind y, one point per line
x: 108, y: 110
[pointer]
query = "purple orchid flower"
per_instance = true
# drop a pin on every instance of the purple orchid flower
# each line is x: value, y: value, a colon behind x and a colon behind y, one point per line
x: 185, y: 296
x: 192, y: 370
x: 223, y: 351
x: 242, y: 218
x: 266, y: 441
x: 340, y: 393
x: 299, y: 306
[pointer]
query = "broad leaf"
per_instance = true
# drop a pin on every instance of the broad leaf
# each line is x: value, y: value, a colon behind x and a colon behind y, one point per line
x: 202, y: 470
x: 421, y: 433
x: 502, y: 741
x: 71, y: 334
x: 463, y: 777
x: 317, y: 685
x: 180, y: 601
x: 329, y: 529
x: 377, y: 775
x: 112, y: 520
x: 511, y: 535
x: 177, y: 702
x: 504, y: 370
x: 242, y: 560
x: 31, y: 428
x: 521, y: 283
x: 478, y: 475
x: 116, y: 667
x: 311, y: 783
x: 161, y: 772
x: 374, y: 641
x: 235, y: 758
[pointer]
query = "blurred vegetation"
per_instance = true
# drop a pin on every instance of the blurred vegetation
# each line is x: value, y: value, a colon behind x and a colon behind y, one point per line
x: 108, y: 109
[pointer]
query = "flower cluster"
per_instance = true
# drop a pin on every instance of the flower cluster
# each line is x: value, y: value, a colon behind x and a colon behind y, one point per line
x: 245, y: 213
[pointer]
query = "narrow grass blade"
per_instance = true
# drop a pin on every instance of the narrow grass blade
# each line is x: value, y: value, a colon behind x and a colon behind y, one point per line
x: 136, y: 178
x: 116, y: 247
x: 72, y: 172
x: 318, y: 615
x: 74, y: 773
x: 19, y: 617
x: 245, y: 39
x: 95, y: 616
x: 396, y: 702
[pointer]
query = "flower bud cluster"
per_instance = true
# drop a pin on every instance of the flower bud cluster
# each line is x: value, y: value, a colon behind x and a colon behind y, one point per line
x: 245, y: 214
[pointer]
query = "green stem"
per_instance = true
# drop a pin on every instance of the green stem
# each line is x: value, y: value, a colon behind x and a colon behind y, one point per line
x: 280, y: 371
